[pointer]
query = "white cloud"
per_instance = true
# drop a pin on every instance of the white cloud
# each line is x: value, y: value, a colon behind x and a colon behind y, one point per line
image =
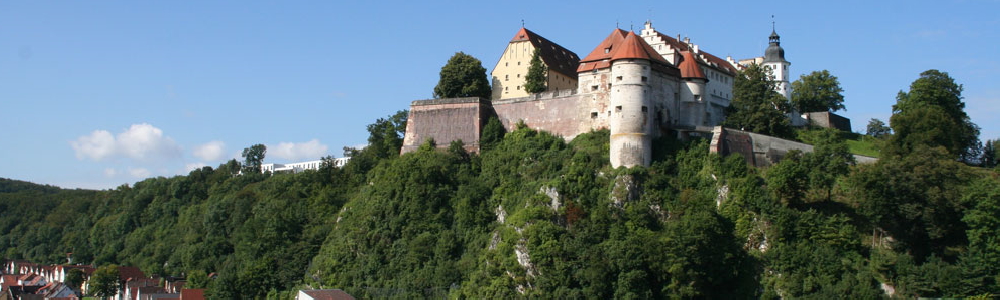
x: 299, y: 151
x: 110, y: 172
x: 143, y: 141
x: 99, y: 145
x: 140, y: 142
x: 139, y: 172
x: 211, y: 151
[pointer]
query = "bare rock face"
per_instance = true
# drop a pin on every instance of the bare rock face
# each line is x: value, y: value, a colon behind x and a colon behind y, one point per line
x: 553, y: 194
x: 626, y: 188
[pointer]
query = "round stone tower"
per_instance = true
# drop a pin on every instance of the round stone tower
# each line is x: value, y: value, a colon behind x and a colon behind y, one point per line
x: 631, y: 108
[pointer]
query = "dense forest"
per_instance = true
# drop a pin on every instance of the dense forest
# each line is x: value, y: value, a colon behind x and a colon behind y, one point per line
x: 533, y: 215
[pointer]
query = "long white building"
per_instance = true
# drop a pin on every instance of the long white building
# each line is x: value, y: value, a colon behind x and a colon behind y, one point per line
x: 301, y: 166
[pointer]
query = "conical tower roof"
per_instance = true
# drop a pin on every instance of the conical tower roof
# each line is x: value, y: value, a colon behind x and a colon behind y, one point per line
x: 689, y: 67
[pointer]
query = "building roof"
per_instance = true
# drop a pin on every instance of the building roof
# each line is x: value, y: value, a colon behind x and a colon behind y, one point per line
x: 774, y: 52
x: 635, y: 47
x: 689, y: 67
x: 557, y: 58
x: 334, y: 294
x: 622, y: 44
x: 193, y: 294
x: 126, y: 273
x: 605, y: 48
x: 712, y: 60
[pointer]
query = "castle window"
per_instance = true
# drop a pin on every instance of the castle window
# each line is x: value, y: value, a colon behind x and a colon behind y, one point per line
x: 609, y: 86
x: 618, y: 108
x: 644, y: 109
x: 593, y: 115
x: 643, y: 78
x: 518, y: 63
x: 506, y: 64
x: 519, y: 88
x: 619, y: 78
x: 593, y: 88
x: 506, y: 77
x: 518, y: 75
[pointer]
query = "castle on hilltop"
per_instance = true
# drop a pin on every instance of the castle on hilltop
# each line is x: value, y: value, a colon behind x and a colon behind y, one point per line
x: 639, y: 86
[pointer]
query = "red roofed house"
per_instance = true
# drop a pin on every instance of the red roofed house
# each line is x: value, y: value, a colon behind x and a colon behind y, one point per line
x: 508, y: 76
x: 334, y: 294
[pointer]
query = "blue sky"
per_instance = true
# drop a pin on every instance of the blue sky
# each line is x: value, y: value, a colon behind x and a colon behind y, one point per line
x: 95, y: 94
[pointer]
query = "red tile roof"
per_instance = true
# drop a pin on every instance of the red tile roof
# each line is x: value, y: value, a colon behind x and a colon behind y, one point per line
x: 605, y: 49
x: 689, y: 66
x: 557, y: 58
x: 193, y: 294
x: 125, y: 273
x: 335, y: 294
x: 624, y: 45
x: 635, y: 47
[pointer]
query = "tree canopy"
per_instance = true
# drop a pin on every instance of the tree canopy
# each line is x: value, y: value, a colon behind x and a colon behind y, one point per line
x: 756, y: 106
x: 817, y: 91
x: 536, y: 79
x: 463, y: 76
x: 932, y: 114
x: 877, y: 128
x: 253, y: 158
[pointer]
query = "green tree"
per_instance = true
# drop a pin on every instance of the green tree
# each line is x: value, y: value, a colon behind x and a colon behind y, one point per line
x: 535, y: 81
x: 756, y: 106
x: 818, y: 91
x: 196, y: 279
x: 916, y: 198
x: 990, y: 152
x: 831, y: 158
x: 877, y: 128
x: 253, y: 158
x: 463, y: 76
x: 934, y: 101
x: 74, y: 278
x: 104, y: 281
x: 492, y: 134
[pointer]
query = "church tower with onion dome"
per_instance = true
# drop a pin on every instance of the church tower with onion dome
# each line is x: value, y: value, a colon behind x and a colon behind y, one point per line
x: 774, y: 58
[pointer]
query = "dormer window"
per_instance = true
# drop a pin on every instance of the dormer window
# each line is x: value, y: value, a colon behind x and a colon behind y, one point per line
x: 607, y: 50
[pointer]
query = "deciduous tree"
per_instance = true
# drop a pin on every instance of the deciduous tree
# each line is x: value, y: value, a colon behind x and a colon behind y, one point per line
x: 932, y: 113
x: 756, y: 106
x: 253, y: 158
x: 877, y: 128
x: 104, y: 281
x: 818, y: 91
x: 463, y: 76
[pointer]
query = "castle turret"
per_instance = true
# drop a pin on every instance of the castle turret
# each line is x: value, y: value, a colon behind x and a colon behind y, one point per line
x: 692, y: 90
x: 774, y: 58
x: 631, y: 120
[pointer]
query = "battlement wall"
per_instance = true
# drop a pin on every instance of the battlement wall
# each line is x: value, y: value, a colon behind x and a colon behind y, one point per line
x: 829, y: 120
x: 445, y: 120
x: 761, y: 150
x: 564, y: 113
